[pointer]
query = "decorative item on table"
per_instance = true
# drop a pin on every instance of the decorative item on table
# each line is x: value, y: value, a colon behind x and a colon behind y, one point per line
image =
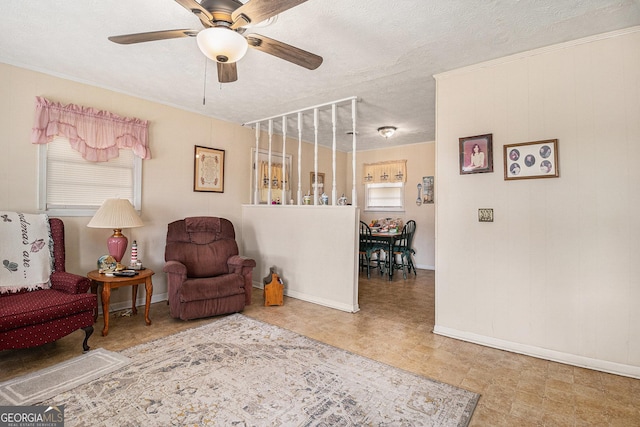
x: 342, y: 201
x: 324, y: 199
x: 134, y: 252
x: 135, y: 264
x: 390, y: 225
x: 306, y: 200
x: 116, y: 214
x: 107, y: 264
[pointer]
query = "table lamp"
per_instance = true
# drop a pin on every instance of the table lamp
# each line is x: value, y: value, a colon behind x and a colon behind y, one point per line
x: 116, y: 214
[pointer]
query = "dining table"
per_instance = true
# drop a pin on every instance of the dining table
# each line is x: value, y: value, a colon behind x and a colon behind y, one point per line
x: 388, y: 238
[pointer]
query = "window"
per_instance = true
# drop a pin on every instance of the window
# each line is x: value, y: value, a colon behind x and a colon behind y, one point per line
x: 280, y: 188
x: 72, y: 186
x: 384, y: 196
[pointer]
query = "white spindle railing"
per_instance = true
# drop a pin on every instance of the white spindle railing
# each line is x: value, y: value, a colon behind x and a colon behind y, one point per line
x: 316, y: 130
x: 354, y: 193
x: 270, y: 196
x: 299, y: 199
x: 315, y: 156
x: 334, y: 126
x: 284, y: 182
x: 256, y: 181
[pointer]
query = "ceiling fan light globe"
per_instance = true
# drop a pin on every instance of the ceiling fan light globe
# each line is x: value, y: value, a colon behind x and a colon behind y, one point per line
x: 222, y: 44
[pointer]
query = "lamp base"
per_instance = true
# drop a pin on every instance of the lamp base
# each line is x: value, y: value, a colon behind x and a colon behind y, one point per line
x: 117, y: 244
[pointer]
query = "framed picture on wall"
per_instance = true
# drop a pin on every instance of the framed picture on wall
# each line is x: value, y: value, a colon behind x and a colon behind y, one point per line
x: 538, y: 159
x: 427, y: 189
x: 476, y: 154
x: 208, y: 169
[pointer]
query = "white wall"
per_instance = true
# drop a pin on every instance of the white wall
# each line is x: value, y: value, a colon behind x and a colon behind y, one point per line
x: 556, y: 274
x: 313, y: 248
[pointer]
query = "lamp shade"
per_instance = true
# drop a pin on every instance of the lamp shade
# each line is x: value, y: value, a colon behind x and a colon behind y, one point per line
x: 116, y: 214
x: 222, y: 44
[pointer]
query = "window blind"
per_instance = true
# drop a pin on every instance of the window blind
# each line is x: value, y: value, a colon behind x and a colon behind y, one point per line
x: 72, y: 182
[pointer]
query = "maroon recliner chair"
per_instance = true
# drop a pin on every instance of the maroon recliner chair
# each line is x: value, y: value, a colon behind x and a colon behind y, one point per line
x: 33, y: 318
x: 205, y: 274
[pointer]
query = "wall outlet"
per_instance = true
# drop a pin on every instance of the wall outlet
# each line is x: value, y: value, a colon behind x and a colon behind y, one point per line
x: 485, y: 215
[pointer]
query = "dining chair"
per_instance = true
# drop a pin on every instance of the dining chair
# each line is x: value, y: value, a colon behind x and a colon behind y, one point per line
x: 403, y: 249
x: 368, y: 247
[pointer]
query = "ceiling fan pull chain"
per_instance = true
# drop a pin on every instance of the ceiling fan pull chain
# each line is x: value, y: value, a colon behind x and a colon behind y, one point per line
x: 204, y: 89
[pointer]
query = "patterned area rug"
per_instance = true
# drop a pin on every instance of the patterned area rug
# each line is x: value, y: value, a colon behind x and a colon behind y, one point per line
x: 46, y: 383
x: 239, y: 371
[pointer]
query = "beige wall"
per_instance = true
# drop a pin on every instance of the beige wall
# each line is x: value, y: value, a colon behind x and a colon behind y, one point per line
x: 167, y: 181
x: 555, y: 275
x: 420, y: 162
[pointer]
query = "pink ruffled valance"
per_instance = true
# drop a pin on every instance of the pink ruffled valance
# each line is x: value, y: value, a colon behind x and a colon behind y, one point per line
x: 97, y: 135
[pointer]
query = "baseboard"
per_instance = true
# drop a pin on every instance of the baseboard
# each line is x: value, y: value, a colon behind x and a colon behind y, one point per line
x: 126, y: 305
x: 315, y: 300
x: 542, y: 353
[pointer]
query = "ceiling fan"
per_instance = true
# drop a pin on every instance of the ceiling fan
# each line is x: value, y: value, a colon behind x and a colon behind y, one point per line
x: 223, y: 38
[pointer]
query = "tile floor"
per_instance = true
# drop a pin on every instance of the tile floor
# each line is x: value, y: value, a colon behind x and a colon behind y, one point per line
x: 394, y: 326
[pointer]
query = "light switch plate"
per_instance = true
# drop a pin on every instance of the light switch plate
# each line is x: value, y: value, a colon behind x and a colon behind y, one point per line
x: 485, y: 215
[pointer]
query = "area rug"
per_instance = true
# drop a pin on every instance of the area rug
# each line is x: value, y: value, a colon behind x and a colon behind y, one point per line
x: 49, y: 382
x: 237, y: 371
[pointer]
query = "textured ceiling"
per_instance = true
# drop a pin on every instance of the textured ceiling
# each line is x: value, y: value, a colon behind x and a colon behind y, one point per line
x: 383, y: 52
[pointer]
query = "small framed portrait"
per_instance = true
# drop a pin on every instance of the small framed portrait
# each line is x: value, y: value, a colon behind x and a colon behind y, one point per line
x: 476, y: 154
x: 537, y: 159
x: 208, y: 170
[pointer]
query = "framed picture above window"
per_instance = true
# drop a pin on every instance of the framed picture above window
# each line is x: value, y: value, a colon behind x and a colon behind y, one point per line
x: 538, y: 159
x: 476, y: 154
x: 208, y: 170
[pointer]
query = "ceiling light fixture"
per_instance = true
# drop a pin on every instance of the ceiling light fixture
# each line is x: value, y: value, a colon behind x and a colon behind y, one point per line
x: 387, y: 131
x: 222, y: 44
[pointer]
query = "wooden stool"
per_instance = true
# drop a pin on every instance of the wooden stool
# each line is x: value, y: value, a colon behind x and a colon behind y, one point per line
x: 273, y: 288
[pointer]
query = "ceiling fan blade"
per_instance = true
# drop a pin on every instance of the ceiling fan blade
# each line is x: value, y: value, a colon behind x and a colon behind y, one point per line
x: 284, y: 51
x: 255, y: 11
x: 227, y: 72
x: 152, y: 36
x: 196, y: 8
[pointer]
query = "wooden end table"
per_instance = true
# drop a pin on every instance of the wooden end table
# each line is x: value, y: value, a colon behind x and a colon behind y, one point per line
x: 108, y: 283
